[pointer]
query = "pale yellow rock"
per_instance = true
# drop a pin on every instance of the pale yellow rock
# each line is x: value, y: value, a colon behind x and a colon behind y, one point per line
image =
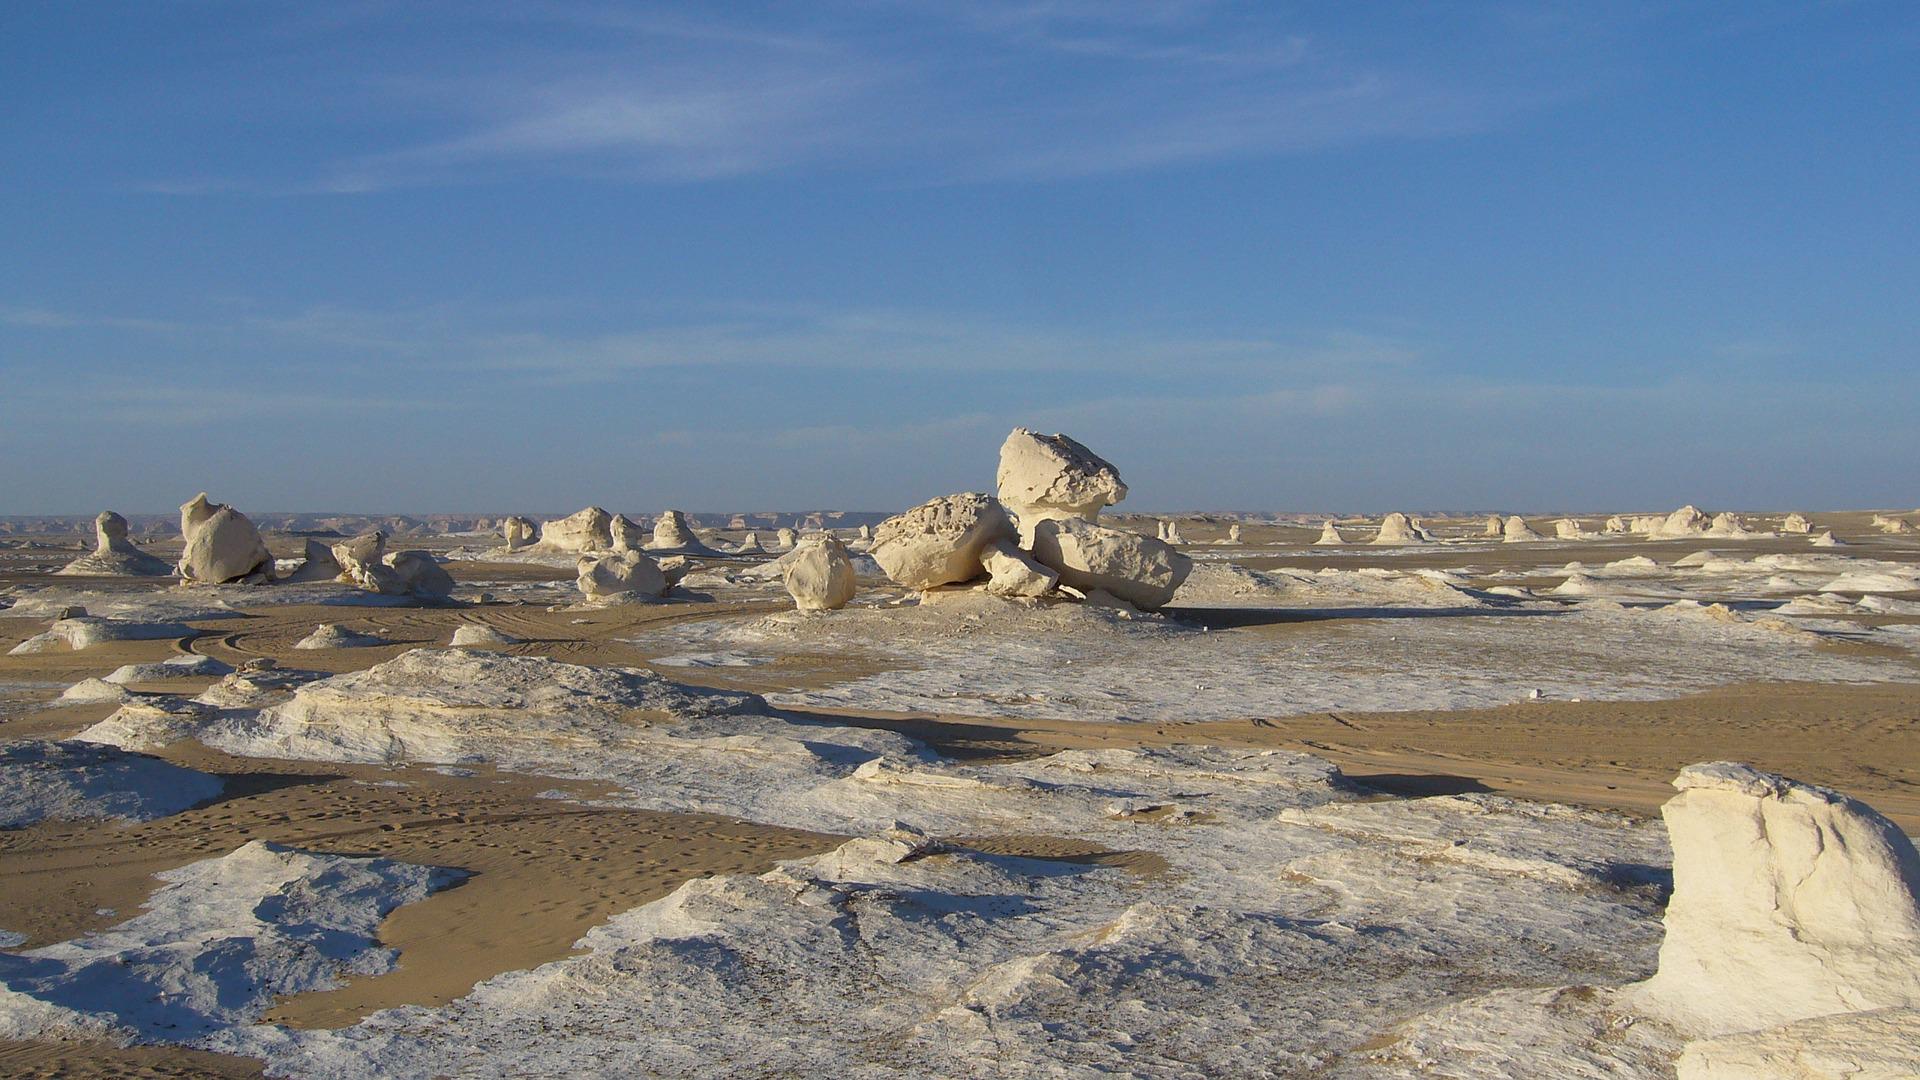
x: 940, y: 542
x: 1044, y: 477
x: 818, y: 574
x: 222, y: 546
x: 114, y: 555
x: 1138, y: 569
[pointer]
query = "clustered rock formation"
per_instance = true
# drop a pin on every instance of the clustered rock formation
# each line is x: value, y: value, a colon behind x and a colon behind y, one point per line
x: 1568, y: 529
x: 1041, y: 533
x: 222, y: 546
x: 114, y: 555
x: 1888, y: 524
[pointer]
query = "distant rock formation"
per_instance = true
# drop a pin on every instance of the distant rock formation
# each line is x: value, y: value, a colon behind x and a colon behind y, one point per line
x: 1796, y: 523
x: 1396, y: 529
x: 1046, y: 477
x: 222, y: 546
x: 1789, y: 901
x: 1684, y: 522
x: 941, y: 541
x: 1495, y: 525
x: 1516, y: 531
x: 364, y: 561
x: 626, y: 534
x: 1568, y: 529
x: 1615, y: 525
x: 1170, y: 532
x: 1887, y: 524
x: 1730, y: 526
x: 624, y: 574
x: 784, y: 539
x: 114, y: 555
x: 1329, y: 535
x: 818, y: 574
x: 481, y: 635
x: 672, y: 531
x: 1233, y: 533
x: 1827, y: 539
x: 520, y: 532
x: 578, y: 533
x: 750, y: 545
x: 317, y: 565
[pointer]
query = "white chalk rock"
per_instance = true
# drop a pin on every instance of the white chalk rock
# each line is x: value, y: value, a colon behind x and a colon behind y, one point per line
x: 1396, y: 529
x: 673, y: 532
x: 626, y: 534
x: 1013, y: 573
x: 1171, y: 533
x: 1568, y: 529
x: 1043, y: 477
x: 1827, y: 539
x: 785, y: 539
x: 520, y: 532
x: 1888, y: 524
x: 335, y: 636
x: 1796, y: 523
x: 482, y: 635
x: 222, y: 545
x: 318, y: 564
x: 750, y: 545
x: 587, y: 530
x: 1138, y: 569
x: 1329, y: 535
x: 1494, y: 526
x: 1879, y: 1044
x: 114, y: 555
x: 940, y: 541
x: 1789, y: 901
x: 627, y: 574
x: 1729, y: 525
x: 1616, y: 524
x: 420, y: 573
x: 1686, y: 521
x: 1517, y: 531
x: 818, y: 573
x: 1233, y: 533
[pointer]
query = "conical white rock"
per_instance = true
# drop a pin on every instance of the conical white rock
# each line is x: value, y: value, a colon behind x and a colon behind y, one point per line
x: 1045, y: 477
x: 818, y: 574
x: 673, y: 532
x: 1329, y: 535
x: 1138, y: 569
x: 940, y: 541
x: 114, y: 555
x: 1789, y: 901
x: 1516, y: 531
x: 222, y: 545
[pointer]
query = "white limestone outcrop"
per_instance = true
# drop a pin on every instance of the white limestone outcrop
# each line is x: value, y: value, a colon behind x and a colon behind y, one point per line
x: 1517, y: 531
x: 1012, y: 572
x: 621, y: 575
x: 1395, y: 528
x: 114, y: 555
x: 222, y: 546
x: 1138, y: 569
x: 1329, y: 535
x: 520, y: 532
x: 1046, y: 477
x: 587, y: 530
x: 940, y: 542
x: 818, y: 573
x: 1796, y: 523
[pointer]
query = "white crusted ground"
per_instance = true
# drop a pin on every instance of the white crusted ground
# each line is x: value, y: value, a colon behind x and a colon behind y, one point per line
x: 42, y: 780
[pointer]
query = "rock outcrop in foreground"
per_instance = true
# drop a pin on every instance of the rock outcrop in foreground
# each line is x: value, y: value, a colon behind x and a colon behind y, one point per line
x: 818, y: 573
x: 114, y: 555
x: 222, y: 546
x: 1789, y: 902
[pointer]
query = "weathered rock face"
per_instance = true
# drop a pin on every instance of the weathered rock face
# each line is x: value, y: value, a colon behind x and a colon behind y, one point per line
x: 1888, y: 524
x: 1796, y: 523
x: 222, y: 545
x: 1789, y: 901
x: 750, y: 545
x: 1616, y: 524
x: 940, y: 541
x: 673, y: 532
x: 1495, y: 526
x: 1045, y: 477
x: 1170, y: 532
x: 1879, y: 1044
x: 588, y: 530
x: 1517, y: 531
x: 1728, y: 524
x: 1568, y: 529
x: 1138, y: 569
x: 520, y: 532
x: 420, y: 574
x: 626, y: 533
x: 1012, y: 573
x: 1396, y: 529
x: 1686, y: 521
x: 362, y: 562
x: 625, y: 574
x: 784, y: 540
x: 115, y: 555
x: 818, y: 574
x: 1329, y: 535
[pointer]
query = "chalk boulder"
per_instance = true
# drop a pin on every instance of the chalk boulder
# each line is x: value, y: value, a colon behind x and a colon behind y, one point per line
x: 626, y: 533
x: 785, y: 539
x: 420, y: 573
x: 1729, y: 525
x: 941, y: 541
x: 1684, y: 522
x: 1568, y: 529
x: 672, y: 531
x: 1138, y: 569
x: 1048, y: 477
x: 1616, y: 524
x: 1796, y: 523
x: 750, y: 545
x: 1329, y: 535
x: 114, y: 555
x: 1011, y: 572
x: 587, y: 530
x: 520, y: 532
x: 818, y: 574
x: 222, y: 546
x: 1789, y: 901
x: 1396, y: 529
x: 622, y: 575
x: 1494, y: 526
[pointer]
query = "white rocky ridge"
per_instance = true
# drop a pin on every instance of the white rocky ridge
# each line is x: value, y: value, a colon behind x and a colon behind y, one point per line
x: 86, y: 631
x: 818, y: 574
x: 222, y: 546
x: 114, y: 555
x: 42, y: 781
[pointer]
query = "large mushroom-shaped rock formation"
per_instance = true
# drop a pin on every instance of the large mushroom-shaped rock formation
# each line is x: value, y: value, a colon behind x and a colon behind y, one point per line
x: 1517, y: 531
x: 1797, y: 523
x: 222, y: 545
x: 940, y: 542
x: 622, y: 575
x: 114, y: 555
x: 1012, y: 572
x: 1396, y: 529
x: 588, y: 530
x: 520, y: 532
x: 1329, y: 535
x: 1789, y: 901
x: 818, y: 574
x: 672, y: 531
x: 1051, y: 477
x: 1138, y: 569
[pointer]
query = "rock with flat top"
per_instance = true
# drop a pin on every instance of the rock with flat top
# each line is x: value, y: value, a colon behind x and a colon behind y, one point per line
x: 941, y: 541
x: 584, y: 531
x: 1049, y: 477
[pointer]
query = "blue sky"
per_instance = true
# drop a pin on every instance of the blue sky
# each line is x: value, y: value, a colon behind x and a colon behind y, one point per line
x: 383, y: 256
